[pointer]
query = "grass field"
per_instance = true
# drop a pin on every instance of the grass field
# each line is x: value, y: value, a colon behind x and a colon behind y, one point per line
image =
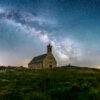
x: 66, y: 83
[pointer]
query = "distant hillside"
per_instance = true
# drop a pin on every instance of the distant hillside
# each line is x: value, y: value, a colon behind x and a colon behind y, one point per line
x: 64, y: 83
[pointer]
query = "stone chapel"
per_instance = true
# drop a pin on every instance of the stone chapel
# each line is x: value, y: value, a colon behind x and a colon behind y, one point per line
x: 44, y: 61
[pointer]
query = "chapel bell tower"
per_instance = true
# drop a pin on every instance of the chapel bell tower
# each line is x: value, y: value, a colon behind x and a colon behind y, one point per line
x: 49, y: 49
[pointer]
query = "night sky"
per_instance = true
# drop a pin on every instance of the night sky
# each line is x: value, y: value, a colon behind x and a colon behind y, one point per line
x: 71, y: 26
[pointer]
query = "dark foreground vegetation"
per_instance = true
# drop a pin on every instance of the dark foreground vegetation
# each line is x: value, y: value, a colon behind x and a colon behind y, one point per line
x: 66, y: 83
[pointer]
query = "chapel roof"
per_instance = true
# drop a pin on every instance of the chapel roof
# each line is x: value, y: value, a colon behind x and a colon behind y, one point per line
x: 38, y: 59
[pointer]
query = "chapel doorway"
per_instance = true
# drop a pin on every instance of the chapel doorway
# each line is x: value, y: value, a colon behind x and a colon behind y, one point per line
x: 50, y: 66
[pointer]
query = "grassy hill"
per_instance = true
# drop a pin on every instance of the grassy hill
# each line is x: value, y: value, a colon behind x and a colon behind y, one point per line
x: 66, y: 83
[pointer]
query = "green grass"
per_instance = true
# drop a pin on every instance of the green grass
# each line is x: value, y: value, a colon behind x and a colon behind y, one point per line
x: 66, y: 83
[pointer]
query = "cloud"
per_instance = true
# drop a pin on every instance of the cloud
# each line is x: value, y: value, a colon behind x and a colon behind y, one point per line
x: 25, y: 17
x: 64, y: 49
x: 25, y: 62
x: 1, y: 10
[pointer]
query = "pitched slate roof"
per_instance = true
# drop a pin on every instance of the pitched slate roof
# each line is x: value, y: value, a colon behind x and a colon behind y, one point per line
x: 38, y: 59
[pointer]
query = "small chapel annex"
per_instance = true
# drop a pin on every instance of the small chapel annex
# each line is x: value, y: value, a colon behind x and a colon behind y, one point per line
x: 44, y: 61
